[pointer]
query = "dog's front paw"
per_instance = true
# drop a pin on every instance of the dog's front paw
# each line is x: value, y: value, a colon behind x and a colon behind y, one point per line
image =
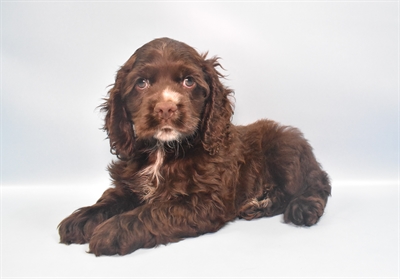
x: 118, y: 235
x: 79, y: 226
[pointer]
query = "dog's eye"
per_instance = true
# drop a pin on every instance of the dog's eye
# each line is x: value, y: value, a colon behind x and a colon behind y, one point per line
x: 188, y: 82
x: 142, y: 83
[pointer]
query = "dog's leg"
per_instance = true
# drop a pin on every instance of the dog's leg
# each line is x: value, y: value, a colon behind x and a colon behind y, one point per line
x: 79, y: 226
x: 158, y: 223
x: 307, y: 207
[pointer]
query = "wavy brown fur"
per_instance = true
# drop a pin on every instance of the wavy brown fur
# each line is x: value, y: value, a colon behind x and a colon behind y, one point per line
x: 184, y: 169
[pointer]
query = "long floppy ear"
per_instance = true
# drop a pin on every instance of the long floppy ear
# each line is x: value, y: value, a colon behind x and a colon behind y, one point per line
x: 117, y: 124
x: 218, y: 110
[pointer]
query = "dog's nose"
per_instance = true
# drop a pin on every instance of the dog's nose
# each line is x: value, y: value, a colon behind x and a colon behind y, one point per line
x: 165, y: 110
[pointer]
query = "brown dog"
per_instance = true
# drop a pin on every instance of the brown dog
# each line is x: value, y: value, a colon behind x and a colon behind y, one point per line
x: 184, y: 169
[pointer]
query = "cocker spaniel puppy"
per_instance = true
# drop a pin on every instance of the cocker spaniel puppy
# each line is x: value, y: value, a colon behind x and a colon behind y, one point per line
x: 183, y: 168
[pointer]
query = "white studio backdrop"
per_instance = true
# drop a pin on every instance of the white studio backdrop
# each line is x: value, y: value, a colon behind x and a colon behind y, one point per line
x: 330, y: 68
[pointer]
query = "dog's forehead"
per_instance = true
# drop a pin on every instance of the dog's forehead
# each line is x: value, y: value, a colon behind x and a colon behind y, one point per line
x: 173, y: 64
x: 158, y: 69
x: 166, y: 50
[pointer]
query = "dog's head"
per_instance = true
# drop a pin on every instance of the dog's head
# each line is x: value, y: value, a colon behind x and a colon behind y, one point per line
x: 167, y: 92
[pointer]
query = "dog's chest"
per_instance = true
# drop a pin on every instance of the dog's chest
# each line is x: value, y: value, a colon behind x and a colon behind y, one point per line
x: 162, y: 179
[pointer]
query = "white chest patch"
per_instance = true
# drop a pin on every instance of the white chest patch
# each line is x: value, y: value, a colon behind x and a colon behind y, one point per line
x: 152, y: 175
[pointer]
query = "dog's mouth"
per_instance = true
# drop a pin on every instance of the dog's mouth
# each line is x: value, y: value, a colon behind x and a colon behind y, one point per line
x: 167, y: 129
x: 167, y: 133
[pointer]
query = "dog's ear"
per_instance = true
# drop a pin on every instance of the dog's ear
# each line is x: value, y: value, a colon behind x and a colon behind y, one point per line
x: 218, y: 109
x: 118, y: 124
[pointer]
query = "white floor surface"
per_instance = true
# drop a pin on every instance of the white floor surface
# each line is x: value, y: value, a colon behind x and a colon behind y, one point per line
x: 357, y: 237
